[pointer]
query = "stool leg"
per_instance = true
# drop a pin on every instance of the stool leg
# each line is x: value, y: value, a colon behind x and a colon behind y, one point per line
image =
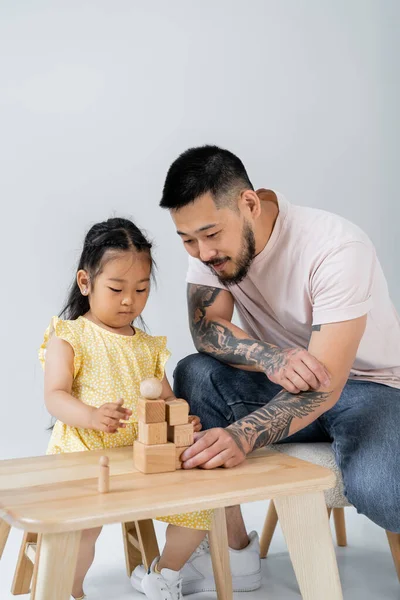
x: 133, y: 556
x: 140, y: 544
x: 23, y: 571
x: 340, y: 526
x: 219, y: 550
x: 148, y: 541
x: 4, y: 531
x: 268, y: 531
x: 394, y: 543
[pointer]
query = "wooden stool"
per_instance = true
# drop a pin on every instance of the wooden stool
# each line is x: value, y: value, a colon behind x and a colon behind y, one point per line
x: 322, y: 454
x: 140, y: 544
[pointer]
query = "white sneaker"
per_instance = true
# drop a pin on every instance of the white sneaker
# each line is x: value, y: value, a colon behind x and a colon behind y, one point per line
x: 166, y: 585
x: 197, y: 574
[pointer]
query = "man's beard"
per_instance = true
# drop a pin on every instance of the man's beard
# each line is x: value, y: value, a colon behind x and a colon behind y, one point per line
x: 243, y: 262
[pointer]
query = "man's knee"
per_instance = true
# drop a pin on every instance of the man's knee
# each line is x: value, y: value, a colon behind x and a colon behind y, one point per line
x: 373, y: 495
x: 192, y: 371
x: 195, y: 380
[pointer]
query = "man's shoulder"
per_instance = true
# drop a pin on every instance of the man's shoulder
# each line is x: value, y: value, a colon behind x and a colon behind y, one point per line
x: 317, y: 226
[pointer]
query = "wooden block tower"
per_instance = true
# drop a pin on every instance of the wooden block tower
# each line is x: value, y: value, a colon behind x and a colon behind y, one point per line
x: 164, y: 430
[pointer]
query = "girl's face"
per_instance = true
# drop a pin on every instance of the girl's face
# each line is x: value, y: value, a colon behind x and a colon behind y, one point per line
x: 119, y: 293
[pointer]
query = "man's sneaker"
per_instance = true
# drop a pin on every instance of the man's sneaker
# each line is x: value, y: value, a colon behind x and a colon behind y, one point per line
x: 166, y: 585
x: 197, y: 574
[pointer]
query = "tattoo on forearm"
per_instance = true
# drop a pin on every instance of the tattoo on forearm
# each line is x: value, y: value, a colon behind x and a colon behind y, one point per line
x: 236, y: 435
x: 220, y: 342
x: 272, y: 422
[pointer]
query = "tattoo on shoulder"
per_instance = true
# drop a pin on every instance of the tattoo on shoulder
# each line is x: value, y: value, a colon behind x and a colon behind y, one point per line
x: 272, y: 422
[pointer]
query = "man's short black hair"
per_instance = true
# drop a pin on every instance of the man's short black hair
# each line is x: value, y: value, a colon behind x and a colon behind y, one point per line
x: 202, y: 170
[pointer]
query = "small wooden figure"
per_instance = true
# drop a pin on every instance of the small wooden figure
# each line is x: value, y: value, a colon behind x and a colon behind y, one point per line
x: 151, y: 388
x: 104, y: 475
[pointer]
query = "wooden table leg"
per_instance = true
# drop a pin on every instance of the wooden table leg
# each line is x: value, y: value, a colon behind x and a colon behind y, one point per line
x: 308, y: 536
x: 219, y: 549
x: 4, y: 532
x: 58, y: 555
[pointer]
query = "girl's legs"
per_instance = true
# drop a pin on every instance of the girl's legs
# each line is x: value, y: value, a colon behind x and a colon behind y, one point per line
x: 180, y: 544
x: 85, y: 559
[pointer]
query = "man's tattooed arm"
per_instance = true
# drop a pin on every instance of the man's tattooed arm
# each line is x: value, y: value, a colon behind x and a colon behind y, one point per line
x: 273, y: 422
x: 218, y: 339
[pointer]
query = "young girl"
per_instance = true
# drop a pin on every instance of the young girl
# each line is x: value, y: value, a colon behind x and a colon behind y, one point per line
x: 95, y: 358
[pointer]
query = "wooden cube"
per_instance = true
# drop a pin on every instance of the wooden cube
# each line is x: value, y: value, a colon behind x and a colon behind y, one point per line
x: 177, y: 411
x: 179, y: 452
x: 160, y: 458
x: 152, y: 433
x: 181, y: 435
x: 151, y: 411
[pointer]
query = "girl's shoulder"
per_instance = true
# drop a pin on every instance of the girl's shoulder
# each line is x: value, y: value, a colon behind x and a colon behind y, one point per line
x: 156, y: 342
x: 69, y: 331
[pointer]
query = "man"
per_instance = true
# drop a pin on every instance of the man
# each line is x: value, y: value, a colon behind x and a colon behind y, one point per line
x: 317, y: 356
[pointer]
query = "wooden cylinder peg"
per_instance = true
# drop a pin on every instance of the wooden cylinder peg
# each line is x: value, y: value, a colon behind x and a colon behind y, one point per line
x: 104, y: 475
x: 151, y: 388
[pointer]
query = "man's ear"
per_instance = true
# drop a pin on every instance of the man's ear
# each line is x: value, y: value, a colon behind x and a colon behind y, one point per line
x: 249, y: 204
x: 83, y: 281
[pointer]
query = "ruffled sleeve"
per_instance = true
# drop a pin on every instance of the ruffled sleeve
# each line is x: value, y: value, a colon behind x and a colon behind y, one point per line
x: 65, y: 330
x: 162, y: 355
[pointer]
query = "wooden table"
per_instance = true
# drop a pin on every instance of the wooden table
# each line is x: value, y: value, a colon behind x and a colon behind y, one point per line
x: 57, y: 496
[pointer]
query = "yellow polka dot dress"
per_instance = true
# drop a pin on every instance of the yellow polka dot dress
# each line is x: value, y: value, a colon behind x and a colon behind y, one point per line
x: 109, y: 366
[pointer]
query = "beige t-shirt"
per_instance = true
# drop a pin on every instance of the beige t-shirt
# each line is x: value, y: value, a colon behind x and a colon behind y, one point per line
x: 316, y: 268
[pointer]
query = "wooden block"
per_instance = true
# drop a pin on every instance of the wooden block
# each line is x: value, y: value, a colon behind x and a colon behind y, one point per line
x: 154, y: 459
x: 181, y: 435
x: 151, y: 411
x: 152, y: 433
x: 179, y: 452
x: 177, y: 411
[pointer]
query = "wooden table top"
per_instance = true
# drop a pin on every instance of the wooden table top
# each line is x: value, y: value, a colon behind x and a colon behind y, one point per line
x: 58, y: 493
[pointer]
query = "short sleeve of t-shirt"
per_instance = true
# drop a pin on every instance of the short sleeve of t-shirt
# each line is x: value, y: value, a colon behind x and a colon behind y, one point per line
x: 201, y: 275
x: 341, y: 285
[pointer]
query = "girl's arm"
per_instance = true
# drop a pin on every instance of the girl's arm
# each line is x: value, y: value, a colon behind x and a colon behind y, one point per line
x: 58, y: 379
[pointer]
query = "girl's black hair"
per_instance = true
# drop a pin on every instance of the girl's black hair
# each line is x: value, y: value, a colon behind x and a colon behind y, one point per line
x: 113, y: 234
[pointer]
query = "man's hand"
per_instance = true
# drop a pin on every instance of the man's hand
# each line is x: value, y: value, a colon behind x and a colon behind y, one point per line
x: 108, y: 417
x: 215, y: 448
x: 296, y: 370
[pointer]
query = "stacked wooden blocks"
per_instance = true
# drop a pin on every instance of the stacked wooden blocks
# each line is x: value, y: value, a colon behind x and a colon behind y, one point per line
x: 164, y: 430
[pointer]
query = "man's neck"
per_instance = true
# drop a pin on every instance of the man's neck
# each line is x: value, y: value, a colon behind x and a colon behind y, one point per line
x: 269, y: 213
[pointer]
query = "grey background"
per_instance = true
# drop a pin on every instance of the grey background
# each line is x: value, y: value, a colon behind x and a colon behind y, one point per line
x: 96, y: 100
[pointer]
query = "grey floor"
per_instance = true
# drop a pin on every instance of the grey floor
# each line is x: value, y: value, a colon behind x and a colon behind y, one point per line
x: 365, y: 566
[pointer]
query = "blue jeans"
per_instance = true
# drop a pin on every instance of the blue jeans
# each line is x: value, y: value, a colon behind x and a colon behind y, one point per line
x: 363, y: 426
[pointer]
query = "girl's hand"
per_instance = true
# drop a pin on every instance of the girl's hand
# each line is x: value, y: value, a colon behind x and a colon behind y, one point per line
x: 108, y: 417
x: 197, y: 426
